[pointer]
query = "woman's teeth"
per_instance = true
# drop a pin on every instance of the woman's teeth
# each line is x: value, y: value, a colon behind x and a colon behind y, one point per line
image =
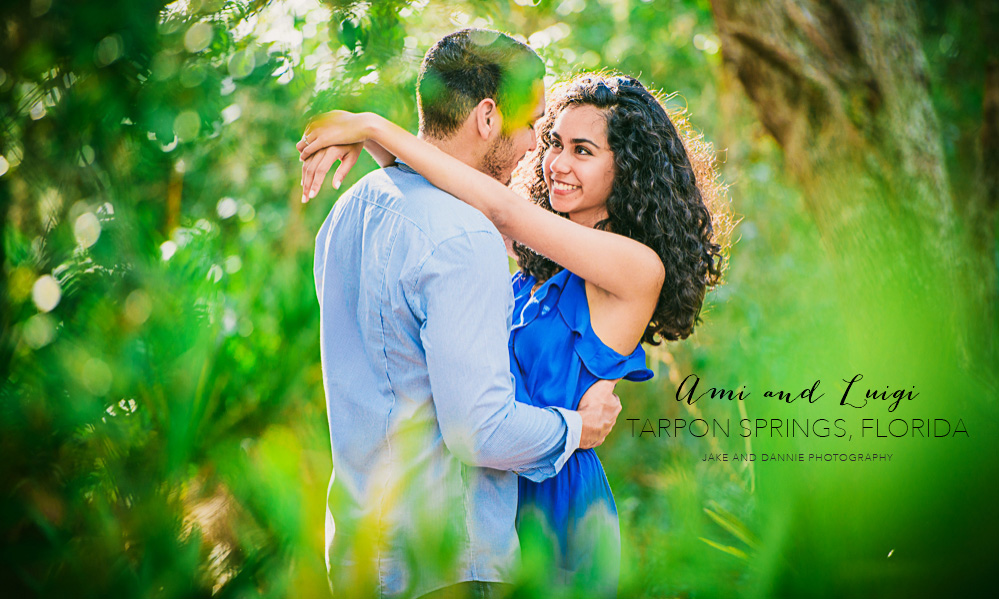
x: 563, y: 186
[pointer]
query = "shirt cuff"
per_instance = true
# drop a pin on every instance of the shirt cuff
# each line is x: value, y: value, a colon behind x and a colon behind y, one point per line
x: 574, y: 424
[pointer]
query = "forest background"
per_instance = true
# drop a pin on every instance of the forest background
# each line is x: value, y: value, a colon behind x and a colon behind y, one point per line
x: 162, y: 417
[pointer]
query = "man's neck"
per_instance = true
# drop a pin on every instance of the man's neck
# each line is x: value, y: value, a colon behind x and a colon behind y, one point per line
x: 454, y: 146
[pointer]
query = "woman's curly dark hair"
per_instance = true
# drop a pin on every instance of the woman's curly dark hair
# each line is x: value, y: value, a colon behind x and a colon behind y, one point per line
x: 655, y: 198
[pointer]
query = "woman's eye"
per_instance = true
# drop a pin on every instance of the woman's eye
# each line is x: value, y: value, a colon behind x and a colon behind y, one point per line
x: 582, y: 150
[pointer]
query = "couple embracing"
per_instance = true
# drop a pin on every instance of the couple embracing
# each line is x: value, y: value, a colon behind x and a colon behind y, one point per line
x: 464, y: 410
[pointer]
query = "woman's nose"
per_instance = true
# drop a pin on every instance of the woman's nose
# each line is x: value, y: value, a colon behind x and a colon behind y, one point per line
x: 559, y: 164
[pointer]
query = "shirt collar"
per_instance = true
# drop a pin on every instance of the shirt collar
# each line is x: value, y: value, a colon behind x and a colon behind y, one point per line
x: 405, y: 167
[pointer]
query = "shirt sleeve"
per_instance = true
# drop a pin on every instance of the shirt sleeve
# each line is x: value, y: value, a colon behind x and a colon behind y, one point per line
x: 463, y: 299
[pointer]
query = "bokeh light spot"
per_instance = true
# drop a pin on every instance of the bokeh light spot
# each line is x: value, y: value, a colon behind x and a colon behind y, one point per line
x: 246, y: 212
x: 138, y: 307
x: 215, y: 273
x: 226, y: 208
x: 164, y: 66
x: 96, y: 376
x: 87, y: 229
x: 245, y: 327
x: 37, y: 111
x: 108, y: 50
x: 233, y: 264
x: 198, y: 37
x: 229, y: 322
x: 20, y: 282
x: 39, y: 330
x: 46, y: 293
x: 192, y: 74
x: 707, y: 43
x: 231, y: 113
x: 168, y: 249
x: 40, y: 7
x: 242, y: 63
x: 187, y: 125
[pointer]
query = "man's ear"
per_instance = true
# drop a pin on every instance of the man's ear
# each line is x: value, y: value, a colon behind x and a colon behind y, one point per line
x: 488, y: 119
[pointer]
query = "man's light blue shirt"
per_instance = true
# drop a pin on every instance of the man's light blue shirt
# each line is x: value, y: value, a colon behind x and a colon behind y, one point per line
x: 415, y: 303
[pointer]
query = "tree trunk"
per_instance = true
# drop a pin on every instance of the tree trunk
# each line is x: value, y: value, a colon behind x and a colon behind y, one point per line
x: 842, y: 86
x: 839, y: 84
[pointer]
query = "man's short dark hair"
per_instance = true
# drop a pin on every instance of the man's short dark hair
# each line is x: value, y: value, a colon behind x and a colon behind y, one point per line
x: 468, y: 66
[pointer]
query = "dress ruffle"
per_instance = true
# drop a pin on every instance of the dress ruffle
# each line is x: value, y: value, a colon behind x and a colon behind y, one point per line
x: 567, y: 292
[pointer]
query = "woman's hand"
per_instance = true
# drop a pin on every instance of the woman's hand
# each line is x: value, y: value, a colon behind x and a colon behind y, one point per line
x: 336, y: 128
x: 315, y: 167
x: 335, y: 135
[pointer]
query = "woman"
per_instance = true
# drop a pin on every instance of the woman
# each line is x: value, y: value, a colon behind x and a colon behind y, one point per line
x: 615, y: 248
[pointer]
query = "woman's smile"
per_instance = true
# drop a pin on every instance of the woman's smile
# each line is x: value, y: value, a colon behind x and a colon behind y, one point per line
x: 560, y: 188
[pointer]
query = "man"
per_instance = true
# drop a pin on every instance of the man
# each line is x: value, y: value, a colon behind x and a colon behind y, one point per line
x: 415, y: 305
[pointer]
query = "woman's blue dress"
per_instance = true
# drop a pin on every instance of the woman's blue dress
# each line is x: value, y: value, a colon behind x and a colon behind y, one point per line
x: 555, y: 357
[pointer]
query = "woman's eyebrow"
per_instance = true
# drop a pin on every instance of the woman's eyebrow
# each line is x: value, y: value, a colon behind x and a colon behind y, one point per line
x: 583, y: 140
x: 575, y: 140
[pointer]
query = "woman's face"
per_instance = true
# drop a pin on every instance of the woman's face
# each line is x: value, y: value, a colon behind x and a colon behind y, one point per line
x: 579, y: 165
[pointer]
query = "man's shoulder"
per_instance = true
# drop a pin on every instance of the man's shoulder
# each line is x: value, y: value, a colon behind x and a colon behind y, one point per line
x: 411, y: 199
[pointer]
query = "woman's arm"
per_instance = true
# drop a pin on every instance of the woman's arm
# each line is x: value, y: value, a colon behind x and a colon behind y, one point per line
x: 621, y: 267
x: 382, y: 156
x: 319, y: 163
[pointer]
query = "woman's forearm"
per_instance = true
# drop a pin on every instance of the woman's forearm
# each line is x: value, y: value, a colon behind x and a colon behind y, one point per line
x: 446, y: 172
x: 382, y: 156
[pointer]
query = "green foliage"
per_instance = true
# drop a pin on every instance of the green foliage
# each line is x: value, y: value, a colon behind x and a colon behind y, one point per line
x: 162, y: 418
